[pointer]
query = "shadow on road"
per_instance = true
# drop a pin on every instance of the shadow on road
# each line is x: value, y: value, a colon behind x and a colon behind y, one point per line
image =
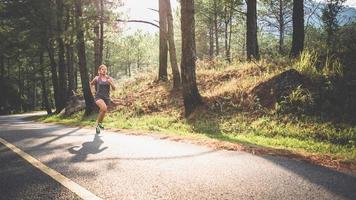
x: 59, y: 137
x: 338, y: 183
x: 155, y: 157
x: 92, y: 147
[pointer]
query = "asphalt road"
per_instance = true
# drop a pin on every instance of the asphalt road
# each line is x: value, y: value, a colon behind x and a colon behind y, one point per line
x: 120, y: 166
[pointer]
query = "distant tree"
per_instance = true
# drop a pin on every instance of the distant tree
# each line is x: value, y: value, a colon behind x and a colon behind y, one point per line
x: 191, y: 96
x: 329, y: 17
x: 277, y: 15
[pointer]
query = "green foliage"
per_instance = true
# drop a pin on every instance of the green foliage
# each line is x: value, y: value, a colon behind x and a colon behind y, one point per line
x: 329, y: 17
x: 131, y: 54
x: 307, y: 64
x: 313, y: 66
x: 332, y: 68
x: 299, y: 101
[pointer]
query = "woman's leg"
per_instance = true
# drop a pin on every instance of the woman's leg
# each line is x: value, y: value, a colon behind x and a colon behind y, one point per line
x: 102, y: 110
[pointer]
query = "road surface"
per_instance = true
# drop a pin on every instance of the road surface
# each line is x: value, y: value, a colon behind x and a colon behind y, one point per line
x: 46, y: 161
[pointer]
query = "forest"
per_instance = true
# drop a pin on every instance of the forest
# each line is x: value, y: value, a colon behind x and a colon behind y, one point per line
x: 272, y: 73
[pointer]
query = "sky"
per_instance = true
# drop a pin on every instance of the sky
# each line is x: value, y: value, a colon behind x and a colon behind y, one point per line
x: 139, y: 10
x: 351, y: 3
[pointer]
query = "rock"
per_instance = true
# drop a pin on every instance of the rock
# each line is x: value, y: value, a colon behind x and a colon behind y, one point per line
x: 276, y: 88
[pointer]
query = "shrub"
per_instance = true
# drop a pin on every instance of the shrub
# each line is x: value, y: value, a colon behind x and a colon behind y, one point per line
x: 299, y: 101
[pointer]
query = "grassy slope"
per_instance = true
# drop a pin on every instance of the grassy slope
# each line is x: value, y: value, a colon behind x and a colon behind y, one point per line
x: 230, y: 115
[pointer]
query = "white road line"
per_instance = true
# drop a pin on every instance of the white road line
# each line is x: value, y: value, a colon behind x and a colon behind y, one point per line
x: 66, y: 182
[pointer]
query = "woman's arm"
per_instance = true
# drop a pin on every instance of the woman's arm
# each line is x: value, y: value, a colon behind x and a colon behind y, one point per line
x: 111, y: 81
x: 93, y: 82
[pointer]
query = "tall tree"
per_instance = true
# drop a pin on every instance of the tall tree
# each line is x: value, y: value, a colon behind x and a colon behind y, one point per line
x: 97, y: 59
x: 229, y: 11
x: 50, y: 50
x: 45, y: 101
x: 298, y: 28
x: 101, y: 26
x: 191, y: 96
x: 2, y: 67
x: 99, y: 34
x: 251, y: 33
x: 216, y: 27
x: 69, y: 29
x: 62, y: 69
x: 88, y: 97
x: 163, y: 47
x: 172, y: 47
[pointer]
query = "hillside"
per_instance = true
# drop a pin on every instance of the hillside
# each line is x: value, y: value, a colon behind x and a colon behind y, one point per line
x: 235, y: 105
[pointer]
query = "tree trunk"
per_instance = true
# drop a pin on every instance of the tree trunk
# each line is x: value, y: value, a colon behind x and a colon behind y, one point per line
x: 75, y: 77
x: 34, y: 87
x: 2, y: 66
x: 163, y: 47
x: 298, y: 28
x: 281, y: 27
x: 211, y: 42
x: 62, y: 71
x: 99, y: 35
x: 50, y: 49
x: 70, y: 54
x: 88, y: 97
x: 216, y: 30
x: 226, y: 34
x: 20, y: 86
x: 97, y: 60
x: 101, y: 38
x: 192, y: 98
x: 230, y: 32
x: 45, y: 101
x: 8, y: 68
x: 172, y: 47
x: 251, y: 34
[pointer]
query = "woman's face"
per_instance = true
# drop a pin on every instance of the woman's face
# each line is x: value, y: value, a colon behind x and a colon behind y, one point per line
x: 102, y: 71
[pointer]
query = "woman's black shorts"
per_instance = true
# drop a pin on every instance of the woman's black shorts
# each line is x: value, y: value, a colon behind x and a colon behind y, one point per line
x: 106, y: 100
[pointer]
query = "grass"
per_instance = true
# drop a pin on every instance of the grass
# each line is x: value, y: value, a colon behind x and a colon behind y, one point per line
x: 230, y: 117
x: 303, y: 136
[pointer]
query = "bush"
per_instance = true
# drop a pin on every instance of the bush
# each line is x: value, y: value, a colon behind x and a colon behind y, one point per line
x: 307, y: 64
x: 299, y: 101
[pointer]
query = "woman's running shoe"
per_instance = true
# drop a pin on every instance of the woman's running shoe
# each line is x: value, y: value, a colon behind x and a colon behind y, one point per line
x: 97, y: 129
x: 101, y: 125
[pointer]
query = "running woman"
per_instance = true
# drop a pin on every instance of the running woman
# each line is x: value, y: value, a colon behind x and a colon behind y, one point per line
x: 102, y: 84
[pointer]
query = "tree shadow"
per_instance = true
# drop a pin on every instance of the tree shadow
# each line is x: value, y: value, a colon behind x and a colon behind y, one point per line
x: 150, y: 158
x: 336, y: 182
x: 92, y: 147
x: 339, y: 183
